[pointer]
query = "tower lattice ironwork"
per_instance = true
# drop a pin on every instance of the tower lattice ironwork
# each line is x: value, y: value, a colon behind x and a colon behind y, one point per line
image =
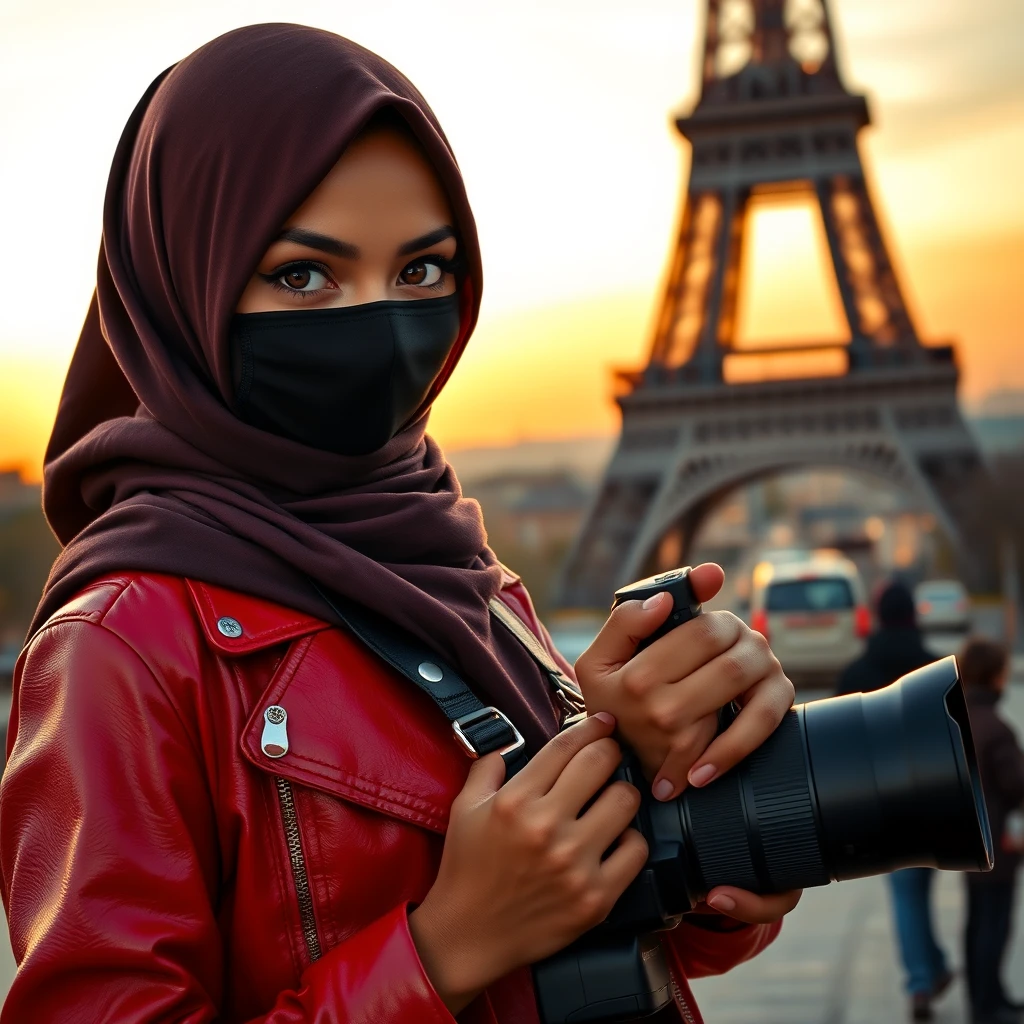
x: 773, y: 116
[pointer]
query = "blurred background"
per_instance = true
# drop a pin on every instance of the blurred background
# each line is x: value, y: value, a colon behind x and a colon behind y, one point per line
x: 561, y: 114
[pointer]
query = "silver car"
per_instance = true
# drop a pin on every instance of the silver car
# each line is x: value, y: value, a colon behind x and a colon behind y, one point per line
x: 943, y: 606
x: 814, y: 614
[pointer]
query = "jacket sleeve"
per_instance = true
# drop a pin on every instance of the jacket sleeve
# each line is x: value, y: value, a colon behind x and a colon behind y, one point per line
x: 698, y: 952
x: 111, y: 864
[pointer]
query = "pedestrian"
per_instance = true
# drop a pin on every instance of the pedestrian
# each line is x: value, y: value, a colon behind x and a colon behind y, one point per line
x: 223, y: 802
x: 985, y: 669
x: 894, y: 649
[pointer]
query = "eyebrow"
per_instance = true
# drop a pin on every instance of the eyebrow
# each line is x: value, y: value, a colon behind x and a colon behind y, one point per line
x: 348, y: 251
x: 314, y: 240
x: 425, y: 241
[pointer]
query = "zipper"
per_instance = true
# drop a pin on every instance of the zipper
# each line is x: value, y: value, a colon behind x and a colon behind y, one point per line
x: 298, y: 861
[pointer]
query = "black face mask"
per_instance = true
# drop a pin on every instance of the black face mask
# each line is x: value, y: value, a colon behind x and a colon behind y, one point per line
x: 345, y: 379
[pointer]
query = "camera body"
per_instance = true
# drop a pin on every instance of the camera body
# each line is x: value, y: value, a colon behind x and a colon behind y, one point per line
x: 845, y: 787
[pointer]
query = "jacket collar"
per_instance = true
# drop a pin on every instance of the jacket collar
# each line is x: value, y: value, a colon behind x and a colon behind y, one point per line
x: 235, y: 623
x: 356, y: 729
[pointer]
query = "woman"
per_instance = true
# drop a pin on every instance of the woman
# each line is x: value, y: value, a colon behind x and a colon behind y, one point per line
x: 220, y: 804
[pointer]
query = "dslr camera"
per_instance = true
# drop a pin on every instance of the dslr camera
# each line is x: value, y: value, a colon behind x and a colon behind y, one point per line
x: 845, y: 787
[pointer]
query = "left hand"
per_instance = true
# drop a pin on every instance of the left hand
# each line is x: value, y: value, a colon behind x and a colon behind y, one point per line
x: 666, y: 701
x: 666, y: 698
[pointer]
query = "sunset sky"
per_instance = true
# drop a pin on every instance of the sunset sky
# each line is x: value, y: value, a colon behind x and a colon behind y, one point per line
x: 559, y: 112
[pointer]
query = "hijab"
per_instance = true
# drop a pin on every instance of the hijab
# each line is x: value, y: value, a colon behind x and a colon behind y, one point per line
x: 149, y: 468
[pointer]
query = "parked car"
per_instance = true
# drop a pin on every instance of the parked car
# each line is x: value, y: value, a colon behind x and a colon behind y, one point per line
x: 815, y: 615
x: 942, y: 606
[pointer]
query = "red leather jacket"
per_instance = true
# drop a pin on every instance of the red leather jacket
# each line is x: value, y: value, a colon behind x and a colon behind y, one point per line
x: 158, y: 866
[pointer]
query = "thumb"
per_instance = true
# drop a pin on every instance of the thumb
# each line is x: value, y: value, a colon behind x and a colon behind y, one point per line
x: 633, y: 621
x: 628, y: 624
x: 486, y: 775
x: 706, y: 580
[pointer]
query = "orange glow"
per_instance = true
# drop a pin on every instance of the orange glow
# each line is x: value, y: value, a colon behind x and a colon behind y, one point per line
x: 544, y: 372
x: 787, y: 287
x: 747, y: 368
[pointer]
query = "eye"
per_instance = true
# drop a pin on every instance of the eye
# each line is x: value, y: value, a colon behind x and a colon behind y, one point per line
x: 301, y: 278
x: 421, y: 273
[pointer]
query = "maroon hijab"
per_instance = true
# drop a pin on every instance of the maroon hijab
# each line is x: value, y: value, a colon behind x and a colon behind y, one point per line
x: 148, y: 467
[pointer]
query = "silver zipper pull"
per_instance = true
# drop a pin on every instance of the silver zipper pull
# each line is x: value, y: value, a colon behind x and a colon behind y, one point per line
x: 274, y: 742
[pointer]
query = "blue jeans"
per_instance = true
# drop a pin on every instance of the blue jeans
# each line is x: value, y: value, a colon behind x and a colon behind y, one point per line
x: 923, y: 960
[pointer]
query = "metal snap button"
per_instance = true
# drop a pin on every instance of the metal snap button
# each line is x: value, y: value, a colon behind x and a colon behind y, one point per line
x: 229, y: 627
x: 431, y: 672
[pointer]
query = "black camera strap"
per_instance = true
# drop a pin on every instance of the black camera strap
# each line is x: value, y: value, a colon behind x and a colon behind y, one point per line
x: 479, y: 728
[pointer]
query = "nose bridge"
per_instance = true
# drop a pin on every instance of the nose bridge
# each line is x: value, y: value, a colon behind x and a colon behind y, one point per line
x: 367, y: 286
x: 370, y: 279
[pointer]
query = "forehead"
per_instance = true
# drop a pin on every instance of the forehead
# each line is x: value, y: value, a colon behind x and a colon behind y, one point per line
x: 383, y: 180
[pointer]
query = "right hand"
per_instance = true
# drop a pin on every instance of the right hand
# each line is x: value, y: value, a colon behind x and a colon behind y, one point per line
x: 521, y: 874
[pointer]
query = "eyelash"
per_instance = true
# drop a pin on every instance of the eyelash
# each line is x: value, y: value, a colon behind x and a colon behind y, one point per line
x: 445, y: 265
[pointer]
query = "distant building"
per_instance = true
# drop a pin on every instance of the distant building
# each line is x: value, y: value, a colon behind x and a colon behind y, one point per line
x: 27, y: 550
x: 16, y: 495
x: 533, y: 511
x: 999, y: 435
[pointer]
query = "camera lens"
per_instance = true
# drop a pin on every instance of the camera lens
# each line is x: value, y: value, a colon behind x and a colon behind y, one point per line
x: 845, y: 787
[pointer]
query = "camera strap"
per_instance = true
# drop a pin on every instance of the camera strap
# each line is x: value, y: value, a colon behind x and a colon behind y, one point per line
x: 480, y: 729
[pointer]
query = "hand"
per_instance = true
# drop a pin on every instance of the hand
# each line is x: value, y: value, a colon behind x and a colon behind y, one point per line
x: 521, y: 874
x: 666, y: 698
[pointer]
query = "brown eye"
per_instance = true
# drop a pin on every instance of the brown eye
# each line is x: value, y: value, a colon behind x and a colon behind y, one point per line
x: 420, y: 273
x: 298, y: 278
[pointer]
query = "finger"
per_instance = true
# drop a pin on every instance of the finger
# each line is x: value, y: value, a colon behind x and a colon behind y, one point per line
x: 584, y: 775
x: 764, y: 707
x: 624, y: 863
x: 628, y: 624
x: 682, y: 653
x: 544, y: 769
x: 671, y: 777
x: 751, y: 908
x: 485, y: 778
x: 608, y: 817
x: 706, y: 580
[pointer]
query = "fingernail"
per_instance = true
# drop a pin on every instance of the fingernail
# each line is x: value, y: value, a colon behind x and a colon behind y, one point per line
x: 662, y: 789
x: 605, y: 717
x: 724, y: 904
x: 703, y: 775
x: 653, y: 601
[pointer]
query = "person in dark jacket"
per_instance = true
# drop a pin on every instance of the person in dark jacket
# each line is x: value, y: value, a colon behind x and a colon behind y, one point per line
x: 893, y: 650
x: 984, y: 668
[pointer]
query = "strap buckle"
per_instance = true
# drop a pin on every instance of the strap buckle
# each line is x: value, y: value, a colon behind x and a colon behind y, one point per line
x: 567, y: 695
x: 481, y: 715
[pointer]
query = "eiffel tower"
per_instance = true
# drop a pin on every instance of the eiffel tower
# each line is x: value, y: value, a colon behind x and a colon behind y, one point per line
x: 782, y: 122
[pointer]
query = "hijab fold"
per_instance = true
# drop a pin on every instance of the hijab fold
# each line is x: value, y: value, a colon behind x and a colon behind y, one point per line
x: 148, y: 467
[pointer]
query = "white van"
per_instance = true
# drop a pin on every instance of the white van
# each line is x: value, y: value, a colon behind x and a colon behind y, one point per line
x: 814, y: 614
